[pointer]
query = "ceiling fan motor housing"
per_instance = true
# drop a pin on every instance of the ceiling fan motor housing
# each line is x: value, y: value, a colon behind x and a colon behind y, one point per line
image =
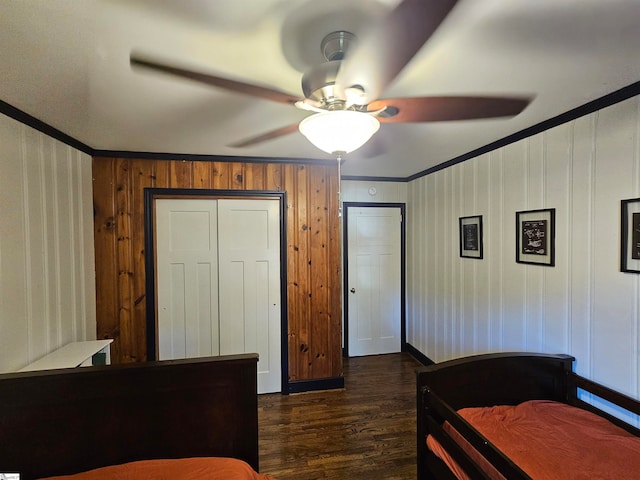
x: 318, y: 84
x: 336, y: 44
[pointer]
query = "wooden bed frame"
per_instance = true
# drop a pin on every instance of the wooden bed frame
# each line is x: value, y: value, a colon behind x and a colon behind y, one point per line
x: 66, y: 421
x: 496, y: 379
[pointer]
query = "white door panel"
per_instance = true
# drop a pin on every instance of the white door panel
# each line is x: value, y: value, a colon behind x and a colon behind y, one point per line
x: 206, y: 303
x: 173, y: 328
x: 374, y: 280
x: 250, y: 283
x: 389, y: 300
x: 187, y: 274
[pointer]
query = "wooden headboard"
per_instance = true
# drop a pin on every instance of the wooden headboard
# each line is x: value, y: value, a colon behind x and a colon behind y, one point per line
x: 66, y: 421
x: 482, y: 380
x: 498, y: 379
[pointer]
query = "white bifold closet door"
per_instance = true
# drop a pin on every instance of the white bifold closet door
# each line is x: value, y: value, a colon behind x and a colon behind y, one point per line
x: 218, y: 281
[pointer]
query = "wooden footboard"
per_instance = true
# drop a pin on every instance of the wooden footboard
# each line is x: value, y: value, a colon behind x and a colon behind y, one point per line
x: 67, y: 421
x: 482, y: 380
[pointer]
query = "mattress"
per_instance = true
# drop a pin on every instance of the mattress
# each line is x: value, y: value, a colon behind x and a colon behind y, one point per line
x: 549, y: 440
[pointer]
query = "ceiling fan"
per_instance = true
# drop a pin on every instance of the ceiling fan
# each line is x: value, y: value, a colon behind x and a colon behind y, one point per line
x: 354, y: 76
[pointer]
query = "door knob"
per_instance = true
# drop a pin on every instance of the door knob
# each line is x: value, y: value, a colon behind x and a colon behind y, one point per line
x: 353, y: 290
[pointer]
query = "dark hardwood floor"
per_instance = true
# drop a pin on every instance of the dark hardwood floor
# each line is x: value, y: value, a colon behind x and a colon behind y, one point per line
x: 366, y: 431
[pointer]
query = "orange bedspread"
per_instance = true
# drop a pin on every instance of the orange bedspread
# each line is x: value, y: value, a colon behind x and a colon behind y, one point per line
x: 181, y: 469
x: 551, y: 441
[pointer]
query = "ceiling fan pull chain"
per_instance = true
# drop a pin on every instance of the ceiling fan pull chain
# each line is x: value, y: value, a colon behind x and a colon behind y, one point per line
x: 339, y: 158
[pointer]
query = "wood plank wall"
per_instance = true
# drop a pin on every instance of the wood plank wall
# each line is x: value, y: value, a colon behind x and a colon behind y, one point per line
x: 313, y: 250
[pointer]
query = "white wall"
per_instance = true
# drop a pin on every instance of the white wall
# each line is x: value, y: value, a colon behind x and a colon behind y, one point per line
x: 584, y: 305
x: 385, y: 192
x: 47, y: 279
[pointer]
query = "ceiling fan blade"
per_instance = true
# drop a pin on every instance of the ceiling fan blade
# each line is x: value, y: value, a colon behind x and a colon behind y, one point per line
x: 441, y: 109
x: 220, y: 82
x: 384, y: 51
x: 278, y: 132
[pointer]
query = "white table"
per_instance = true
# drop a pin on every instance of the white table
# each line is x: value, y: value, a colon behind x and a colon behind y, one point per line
x: 74, y: 354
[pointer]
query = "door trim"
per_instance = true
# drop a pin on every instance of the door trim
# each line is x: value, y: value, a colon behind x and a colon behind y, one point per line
x: 345, y: 270
x: 150, y: 195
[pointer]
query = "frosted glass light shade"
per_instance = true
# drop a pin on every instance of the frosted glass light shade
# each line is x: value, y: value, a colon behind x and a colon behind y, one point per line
x: 339, y: 130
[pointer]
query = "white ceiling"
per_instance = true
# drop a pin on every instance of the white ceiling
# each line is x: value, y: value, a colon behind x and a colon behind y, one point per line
x: 66, y: 62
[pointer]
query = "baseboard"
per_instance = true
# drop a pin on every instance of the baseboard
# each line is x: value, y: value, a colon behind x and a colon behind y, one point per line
x: 331, y: 383
x: 418, y: 355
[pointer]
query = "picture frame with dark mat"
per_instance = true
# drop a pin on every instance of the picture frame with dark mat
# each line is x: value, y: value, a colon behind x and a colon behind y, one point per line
x: 630, y: 236
x: 471, y: 237
x: 535, y: 237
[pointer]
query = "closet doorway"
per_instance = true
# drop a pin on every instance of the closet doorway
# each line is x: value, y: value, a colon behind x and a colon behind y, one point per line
x: 218, y: 284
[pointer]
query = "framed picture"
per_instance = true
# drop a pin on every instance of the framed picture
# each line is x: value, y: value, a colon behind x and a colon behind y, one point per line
x: 630, y: 236
x: 471, y: 237
x: 535, y: 237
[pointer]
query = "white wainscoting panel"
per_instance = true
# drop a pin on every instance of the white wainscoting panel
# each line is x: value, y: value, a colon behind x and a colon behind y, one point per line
x: 47, y: 274
x: 583, y: 305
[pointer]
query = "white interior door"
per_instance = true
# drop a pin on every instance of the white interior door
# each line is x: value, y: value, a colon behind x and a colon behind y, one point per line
x: 218, y: 281
x: 187, y: 278
x: 374, y: 280
x: 249, y: 262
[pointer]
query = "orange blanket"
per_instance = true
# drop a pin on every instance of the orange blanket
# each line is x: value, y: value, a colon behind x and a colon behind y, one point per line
x: 181, y: 469
x: 551, y: 441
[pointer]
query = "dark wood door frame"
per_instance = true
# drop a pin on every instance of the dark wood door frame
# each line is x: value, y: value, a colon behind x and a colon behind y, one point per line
x: 345, y: 269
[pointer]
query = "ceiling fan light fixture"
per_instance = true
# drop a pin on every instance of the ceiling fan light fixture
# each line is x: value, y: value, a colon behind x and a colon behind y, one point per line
x: 339, y: 130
